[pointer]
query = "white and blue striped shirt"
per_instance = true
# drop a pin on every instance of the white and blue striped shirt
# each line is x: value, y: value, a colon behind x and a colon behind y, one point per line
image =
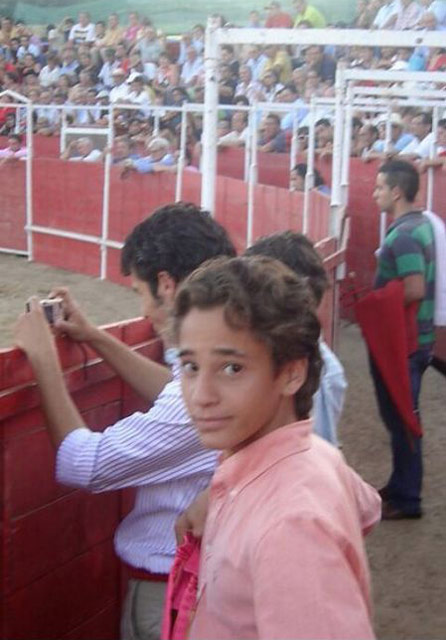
x: 157, y: 452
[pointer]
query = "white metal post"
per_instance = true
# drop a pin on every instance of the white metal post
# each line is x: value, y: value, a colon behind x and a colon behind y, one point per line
x: 337, y: 153
x: 346, y: 147
x: 209, y: 157
x: 29, y: 179
x: 309, y: 178
x: 180, y: 165
x: 106, y: 195
x: 430, y: 172
x: 253, y: 139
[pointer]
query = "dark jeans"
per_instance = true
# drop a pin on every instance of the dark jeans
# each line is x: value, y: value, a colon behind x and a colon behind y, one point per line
x: 404, y: 485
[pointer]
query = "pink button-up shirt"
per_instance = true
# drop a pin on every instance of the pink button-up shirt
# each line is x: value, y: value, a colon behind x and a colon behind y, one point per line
x: 282, y: 554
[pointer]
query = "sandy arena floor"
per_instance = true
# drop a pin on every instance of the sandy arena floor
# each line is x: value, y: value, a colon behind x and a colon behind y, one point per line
x: 407, y: 558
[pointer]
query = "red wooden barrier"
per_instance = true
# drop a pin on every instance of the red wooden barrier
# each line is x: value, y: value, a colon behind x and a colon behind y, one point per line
x: 59, y: 577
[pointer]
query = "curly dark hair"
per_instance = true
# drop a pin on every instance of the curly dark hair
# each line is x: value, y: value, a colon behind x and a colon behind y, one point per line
x: 264, y: 296
x: 176, y: 238
x: 298, y: 254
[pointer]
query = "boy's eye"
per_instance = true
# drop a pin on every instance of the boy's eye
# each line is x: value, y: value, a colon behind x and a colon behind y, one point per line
x: 189, y: 367
x: 232, y: 369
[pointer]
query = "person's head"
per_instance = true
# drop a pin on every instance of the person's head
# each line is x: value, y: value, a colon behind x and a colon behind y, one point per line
x: 297, y: 252
x: 241, y: 100
x: 421, y: 124
x: 84, y: 18
x: 368, y: 134
x: 191, y: 53
x: 15, y: 141
x: 113, y: 21
x: 223, y: 127
x: 287, y: 94
x: 324, y: 132
x: 118, y: 76
x: 121, y: 148
x: 441, y: 133
x: 239, y: 121
x: 254, y: 52
x: 271, y: 51
x: 165, y: 248
x: 245, y: 74
x: 121, y: 51
x: 269, y: 79
x: 157, y: 148
x: 248, y: 334
x: 133, y: 19
x: 135, y: 127
x: 84, y: 146
x: 68, y: 55
x: 273, y: 8
x: 227, y: 53
x: 313, y: 55
x: 397, y: 185
x: 272, y: 126
x: 298, y: 175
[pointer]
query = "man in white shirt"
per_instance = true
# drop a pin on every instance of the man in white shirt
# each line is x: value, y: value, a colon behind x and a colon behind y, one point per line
x: 387, y: 14
x: 424, y: 138
x: 50, y: 73
x: 437, y: 8
x: 158, y: 452
x: 120, y: 91
x: 81, y: 150
x: 192, y: 68
x: 83, y: 30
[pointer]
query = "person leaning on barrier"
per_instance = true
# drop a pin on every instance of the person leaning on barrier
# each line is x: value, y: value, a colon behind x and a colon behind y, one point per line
x: 158, y: 451
x: 81, y: 150
x: 159, y: 158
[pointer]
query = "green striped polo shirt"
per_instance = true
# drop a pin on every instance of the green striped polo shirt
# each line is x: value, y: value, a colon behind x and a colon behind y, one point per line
x: 409, y: 249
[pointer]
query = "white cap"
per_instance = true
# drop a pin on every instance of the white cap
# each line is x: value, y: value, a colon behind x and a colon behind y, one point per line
x: 135, y: 76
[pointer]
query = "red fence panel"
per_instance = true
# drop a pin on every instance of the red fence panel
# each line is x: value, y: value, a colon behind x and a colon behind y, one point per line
x: 13, y: 206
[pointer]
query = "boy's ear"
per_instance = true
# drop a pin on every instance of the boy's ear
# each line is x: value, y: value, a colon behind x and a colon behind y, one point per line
x: 166, y: 285
x: 295, y: 374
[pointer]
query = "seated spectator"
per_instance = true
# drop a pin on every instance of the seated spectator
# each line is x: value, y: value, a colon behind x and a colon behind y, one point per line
x: 26, y: 46
x: 159, y: 158
x: 270, y: 86
x: 386, y: 58
x: 136, y: 65
x: 50, y: 73
x: 198, y: 32
x: 238, y: 133
x: 298, y: 177
x: 14, y: 151
x: 124, y: 148
x: 423, y: 138
x: 81, y: 150
x: 114, y: 33
x: 255, y: 21
x: 324, y: 137
x: 247, y: 86
x: 192, y: 69
x: 386, y: 15
x: 399, y: 138
x: 134, y: 30
x: 278, y: 61
x: 7, y: 31
x: 439, y: 159
x: 318, y: 61
x: 120, y: 91
x: 308, y: 13
x: 437, y: 61
x: 408, y: 15
x: 70, y: 64
x: 365, y: 58
x: 166, y: 75
x: 256, y: 62
x: 83, y: 30
x: 226, y: 85
x: 223, y: 127
x: 148, y: 46
x: 227, y: 55
x: 109, y: 65
x: 289, y: 95
x: 122, y: 56
x: 276, y: 18
x: 273, y: 139
x: 7, y: 123
x: 365, y: 14
x: 437, y: 8
x: 138, y: 94
x: 367, y: 140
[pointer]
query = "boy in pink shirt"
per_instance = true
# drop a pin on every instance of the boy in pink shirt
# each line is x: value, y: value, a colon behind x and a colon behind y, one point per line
x: 282, y: 553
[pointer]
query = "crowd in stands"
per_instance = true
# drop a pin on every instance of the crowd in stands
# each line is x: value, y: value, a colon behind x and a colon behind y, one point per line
x: 87, y: 66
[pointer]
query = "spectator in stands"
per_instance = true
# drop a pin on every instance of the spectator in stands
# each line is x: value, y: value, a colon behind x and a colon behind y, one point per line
x: 70, y: 64
x: 124, y: 148
x: 365, y: 58
x: 324, y: 137
x: 109, y: 65
x: 83, y: 30
x: 159, y: 158
x: 365, y: 14
x: 255, y: 21
x: 26, y: 46
x: 7, y: 31
x: 136, y: 65
x: 270, y: 86
x: 423, y: 138
x: 247, y: 86
x: 120, y: 91
x: 367, y: 140
x: 148, y: 45
x: 309, y: 14
x: 256, y: 62
x: 436, y: 8
x: 134, y: 30
x: 227, y: 55
x: 399, y: 138
x: 272, y: 139
x: 223, y: 127
x: 278, y: 61
x: 226, y: 85
x: 198, y: 32
x: 114, y: 33
x: 298, y: 177
x: 408, y: 15
x: 192, y: 68
x: 138, y: 94
x: 439, y: 159
x: 81, y: 150
x: 14, y: 151
x: 289, y: 95
x: 7, y: 123
x: 386, y: 15
x: 51, y: 71
x: 276, y: 18
x: 238, y: 134
x: 167, y: 75
x: 323, y: 64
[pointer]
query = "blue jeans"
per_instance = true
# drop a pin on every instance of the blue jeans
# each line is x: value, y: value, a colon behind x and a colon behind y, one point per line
x: 405, y: 482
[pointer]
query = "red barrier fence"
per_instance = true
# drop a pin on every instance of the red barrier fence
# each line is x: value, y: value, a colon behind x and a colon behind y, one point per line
x: 59, y: 577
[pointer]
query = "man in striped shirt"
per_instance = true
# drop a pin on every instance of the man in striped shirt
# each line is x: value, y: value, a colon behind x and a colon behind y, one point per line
x: 407, y: 255
x: 157, y: 452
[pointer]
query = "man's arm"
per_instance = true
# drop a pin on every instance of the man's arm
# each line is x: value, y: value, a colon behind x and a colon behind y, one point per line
x: 145, y: 376
x: 414, y: 288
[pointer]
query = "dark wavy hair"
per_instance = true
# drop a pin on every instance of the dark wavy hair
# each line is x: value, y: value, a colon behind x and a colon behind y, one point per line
x: 264, y: 296
x: 176, y: 238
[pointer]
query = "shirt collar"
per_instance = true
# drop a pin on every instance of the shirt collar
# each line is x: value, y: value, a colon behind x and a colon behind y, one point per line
x: 241, y: 468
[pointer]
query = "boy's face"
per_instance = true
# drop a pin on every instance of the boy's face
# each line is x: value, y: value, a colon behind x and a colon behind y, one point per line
x: 230, y: 386
x: 156, y: 309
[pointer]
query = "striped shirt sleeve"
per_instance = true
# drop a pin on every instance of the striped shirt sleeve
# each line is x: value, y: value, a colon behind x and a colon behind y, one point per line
x: 144, y: 448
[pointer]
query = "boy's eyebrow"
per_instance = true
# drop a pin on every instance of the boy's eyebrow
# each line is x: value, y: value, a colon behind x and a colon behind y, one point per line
x: 221, y: 351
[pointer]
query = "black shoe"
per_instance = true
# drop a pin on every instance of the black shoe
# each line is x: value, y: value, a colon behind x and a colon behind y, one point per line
x: 389, y: 512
